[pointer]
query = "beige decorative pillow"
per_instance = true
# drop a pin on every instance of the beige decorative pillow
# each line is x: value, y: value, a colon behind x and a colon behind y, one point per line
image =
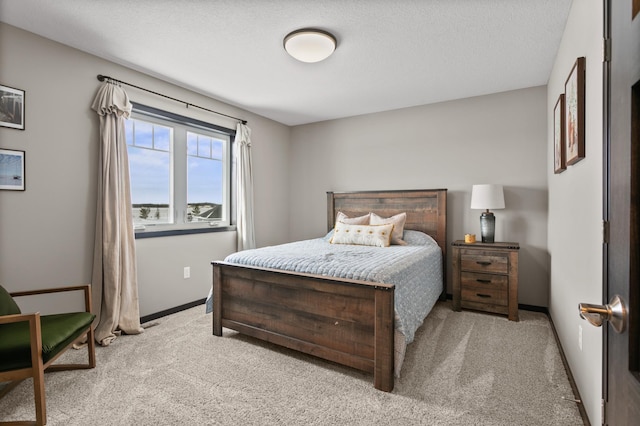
x: 397, y: 220
x: 364, y: 235
x: 360, y: 220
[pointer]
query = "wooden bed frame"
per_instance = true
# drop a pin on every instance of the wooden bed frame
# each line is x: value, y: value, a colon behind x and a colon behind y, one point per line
x: 345, y: 321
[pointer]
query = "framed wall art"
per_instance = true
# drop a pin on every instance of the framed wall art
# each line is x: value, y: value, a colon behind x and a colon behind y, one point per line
x: 11, y: 107
x: 574, y: 112
x: 12, y: 170
x: 559, y: 148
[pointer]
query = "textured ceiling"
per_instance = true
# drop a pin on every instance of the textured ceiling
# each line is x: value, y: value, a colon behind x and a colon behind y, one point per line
x: 391, y: 54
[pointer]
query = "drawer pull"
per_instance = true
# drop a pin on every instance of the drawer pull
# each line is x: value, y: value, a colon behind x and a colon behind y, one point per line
x: 483, y: 281
x: 483, y: 263
x: 483, y: 295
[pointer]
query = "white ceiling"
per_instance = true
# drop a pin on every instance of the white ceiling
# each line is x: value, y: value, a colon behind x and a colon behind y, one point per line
x: 391, y: 54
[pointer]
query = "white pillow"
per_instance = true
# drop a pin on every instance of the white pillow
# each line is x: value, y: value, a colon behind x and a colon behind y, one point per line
x: 360, y: 220
x: 364, y: 235
x: 397, y: 220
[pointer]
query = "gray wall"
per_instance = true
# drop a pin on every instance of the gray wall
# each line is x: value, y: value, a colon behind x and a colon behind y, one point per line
x: 46, y: 232
x: 498, y: 138
x: 575, y: 208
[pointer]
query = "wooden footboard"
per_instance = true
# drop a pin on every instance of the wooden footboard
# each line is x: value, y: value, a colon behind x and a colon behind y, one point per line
x: 347, y: 322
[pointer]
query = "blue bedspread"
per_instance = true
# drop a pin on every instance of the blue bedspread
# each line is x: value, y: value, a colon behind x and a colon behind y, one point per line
x: 415, y: 269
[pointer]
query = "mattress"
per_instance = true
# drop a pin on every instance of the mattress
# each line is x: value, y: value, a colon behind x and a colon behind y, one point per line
x: 415, y: 269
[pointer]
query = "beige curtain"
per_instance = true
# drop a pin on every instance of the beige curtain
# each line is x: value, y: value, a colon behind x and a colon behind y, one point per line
x: 114, y: 260
x: 244, y: 185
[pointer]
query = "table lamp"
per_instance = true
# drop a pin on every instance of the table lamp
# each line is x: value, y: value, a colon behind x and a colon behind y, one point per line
x: 486, y: 197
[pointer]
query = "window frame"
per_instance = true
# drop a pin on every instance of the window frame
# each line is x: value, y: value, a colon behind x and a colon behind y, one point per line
x: 187, y: 229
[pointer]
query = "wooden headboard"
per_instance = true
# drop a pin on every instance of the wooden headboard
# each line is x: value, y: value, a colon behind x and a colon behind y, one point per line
x: 426, y: 209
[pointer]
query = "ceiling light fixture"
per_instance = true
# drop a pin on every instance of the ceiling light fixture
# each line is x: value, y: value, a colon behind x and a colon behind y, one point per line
x: 310, y: 45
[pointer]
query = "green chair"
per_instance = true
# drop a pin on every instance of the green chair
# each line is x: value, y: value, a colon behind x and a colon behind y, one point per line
x: 30, y: 343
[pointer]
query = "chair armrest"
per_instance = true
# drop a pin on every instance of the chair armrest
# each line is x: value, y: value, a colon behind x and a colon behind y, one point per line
x: 35, y: 343
x: 85, y: 287
x: 8, y: 319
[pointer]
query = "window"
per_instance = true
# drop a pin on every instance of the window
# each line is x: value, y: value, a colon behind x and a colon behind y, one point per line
x: 179, y: 170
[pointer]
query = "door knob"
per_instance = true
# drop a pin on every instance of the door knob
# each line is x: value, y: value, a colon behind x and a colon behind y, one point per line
x: 615, y: 312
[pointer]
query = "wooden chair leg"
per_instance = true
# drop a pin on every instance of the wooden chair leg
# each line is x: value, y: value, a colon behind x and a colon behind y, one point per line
x: 38, y: 370
x: 91, y: 348
x: 39, y: 397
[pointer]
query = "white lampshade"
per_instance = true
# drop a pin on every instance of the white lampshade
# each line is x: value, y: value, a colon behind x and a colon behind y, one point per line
x: 487, y: 197
x: 310, y: 45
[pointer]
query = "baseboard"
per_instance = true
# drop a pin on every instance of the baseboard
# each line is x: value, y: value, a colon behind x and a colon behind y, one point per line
x: 534, y: 308
x: 574, y: 387
x: 170, y: 311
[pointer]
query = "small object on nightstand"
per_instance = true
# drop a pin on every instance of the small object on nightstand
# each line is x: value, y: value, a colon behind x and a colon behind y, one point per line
x: 470, y: 238
x: 485, y: 277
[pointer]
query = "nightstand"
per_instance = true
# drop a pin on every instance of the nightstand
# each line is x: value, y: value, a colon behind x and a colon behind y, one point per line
x: 485, y: 277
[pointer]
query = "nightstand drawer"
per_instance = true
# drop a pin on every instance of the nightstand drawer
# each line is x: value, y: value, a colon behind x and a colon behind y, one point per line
x: 473, y: 279
x: 497, y: 263
x: 485, y: 288
x: 484, y: 297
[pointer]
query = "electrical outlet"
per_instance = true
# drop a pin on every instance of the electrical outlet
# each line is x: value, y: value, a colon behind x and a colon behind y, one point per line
x: 187, y: 272
x: 580, y: 336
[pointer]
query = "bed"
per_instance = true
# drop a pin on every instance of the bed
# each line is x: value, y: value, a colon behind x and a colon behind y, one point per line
x: 349, y: 321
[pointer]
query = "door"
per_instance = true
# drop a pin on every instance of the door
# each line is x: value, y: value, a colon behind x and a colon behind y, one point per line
x: 621, y: 370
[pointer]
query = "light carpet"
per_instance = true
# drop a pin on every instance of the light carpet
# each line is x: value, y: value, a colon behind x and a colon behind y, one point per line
x: 464, y: 368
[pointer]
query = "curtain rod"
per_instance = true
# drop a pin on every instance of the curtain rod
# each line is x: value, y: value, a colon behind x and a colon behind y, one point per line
x: 106, y: 77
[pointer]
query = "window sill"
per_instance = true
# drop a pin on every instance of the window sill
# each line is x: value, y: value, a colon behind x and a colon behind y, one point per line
x: 174, y: 232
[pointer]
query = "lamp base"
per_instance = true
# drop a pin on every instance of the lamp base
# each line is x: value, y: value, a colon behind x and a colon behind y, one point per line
x: 487, y: 227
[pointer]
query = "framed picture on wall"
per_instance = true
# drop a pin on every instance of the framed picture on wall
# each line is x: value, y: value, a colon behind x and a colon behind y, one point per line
x: 574, y: 112
x: 12, y: 170
x: 11, y: 107
x: 559, y: 153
